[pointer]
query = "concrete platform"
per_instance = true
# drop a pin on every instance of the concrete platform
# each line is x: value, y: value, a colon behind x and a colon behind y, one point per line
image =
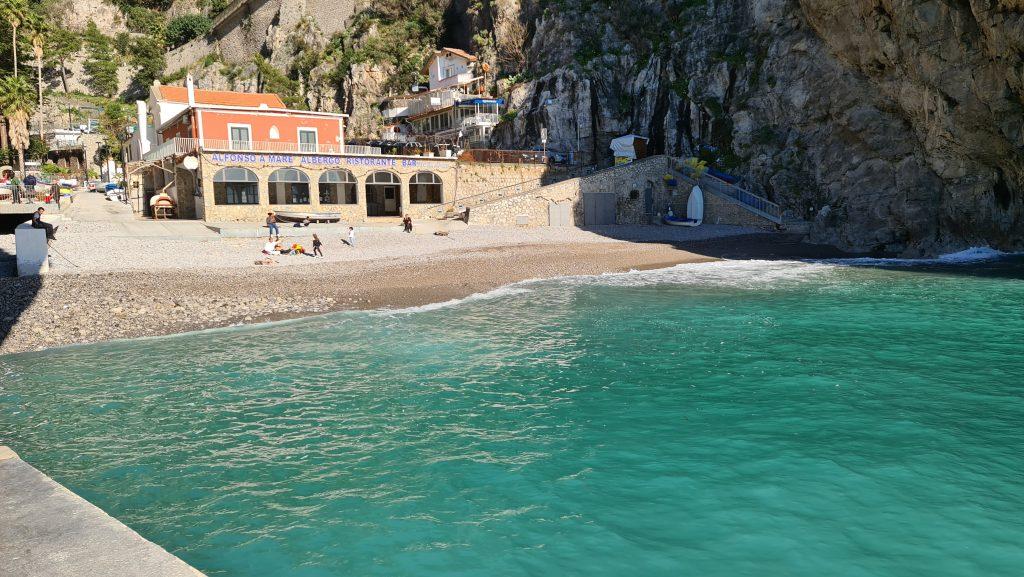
x: 48, y: 531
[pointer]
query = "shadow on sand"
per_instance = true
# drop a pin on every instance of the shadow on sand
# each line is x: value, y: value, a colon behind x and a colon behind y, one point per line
x: 16, y: 293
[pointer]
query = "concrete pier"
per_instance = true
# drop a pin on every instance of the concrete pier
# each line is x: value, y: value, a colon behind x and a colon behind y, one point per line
x: 48, y: 531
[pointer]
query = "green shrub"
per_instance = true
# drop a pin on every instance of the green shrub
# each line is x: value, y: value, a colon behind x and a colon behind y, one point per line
x: 185, y: 28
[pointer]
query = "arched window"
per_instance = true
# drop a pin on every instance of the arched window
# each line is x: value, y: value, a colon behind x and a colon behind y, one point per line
x: 236, y: 185
x: 289, y: 186
x: 383, y: 177
x: 383, y: 194
x: 425, y: 188
x: 337, y: 187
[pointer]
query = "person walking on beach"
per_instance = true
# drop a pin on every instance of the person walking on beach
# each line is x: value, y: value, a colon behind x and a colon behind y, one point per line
x: 407, y: 223
x: 272, y: 225
x: 351, y: 237
x: 316, y: 247
x: 37, y: 222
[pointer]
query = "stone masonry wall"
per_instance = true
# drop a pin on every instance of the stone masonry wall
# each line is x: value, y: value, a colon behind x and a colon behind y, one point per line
x: 629, y: 183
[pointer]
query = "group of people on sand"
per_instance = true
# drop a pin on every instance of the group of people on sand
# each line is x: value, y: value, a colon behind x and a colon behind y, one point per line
x: 274, y: 247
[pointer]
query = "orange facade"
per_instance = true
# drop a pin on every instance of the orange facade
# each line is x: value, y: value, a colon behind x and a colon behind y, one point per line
x: 263, y: 126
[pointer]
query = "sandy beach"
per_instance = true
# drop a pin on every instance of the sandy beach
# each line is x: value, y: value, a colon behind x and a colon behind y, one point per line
x: 108, y: 281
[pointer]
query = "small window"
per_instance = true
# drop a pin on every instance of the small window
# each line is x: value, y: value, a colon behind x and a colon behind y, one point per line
x: 307, y: 140
x: 240, y: 138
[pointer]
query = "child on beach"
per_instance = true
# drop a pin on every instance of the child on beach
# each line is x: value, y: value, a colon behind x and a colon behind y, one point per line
x: 316, y: 247
x: 351, y: 237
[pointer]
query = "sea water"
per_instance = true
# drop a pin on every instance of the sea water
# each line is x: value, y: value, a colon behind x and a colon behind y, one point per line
x: 723, y: 419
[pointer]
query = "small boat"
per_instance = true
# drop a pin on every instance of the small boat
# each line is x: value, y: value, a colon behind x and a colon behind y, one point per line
x: 312, y: 216
x: 694, y: 210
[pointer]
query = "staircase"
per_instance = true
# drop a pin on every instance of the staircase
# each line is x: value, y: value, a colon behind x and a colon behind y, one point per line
x: 753, y: 203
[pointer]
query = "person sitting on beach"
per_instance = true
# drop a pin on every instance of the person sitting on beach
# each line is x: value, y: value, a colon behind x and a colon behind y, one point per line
x: 297, y: 249
x: 37, y: 222
x: 271, y: 248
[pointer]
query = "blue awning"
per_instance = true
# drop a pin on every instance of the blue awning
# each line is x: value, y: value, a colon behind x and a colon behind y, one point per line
x: 481, y: 101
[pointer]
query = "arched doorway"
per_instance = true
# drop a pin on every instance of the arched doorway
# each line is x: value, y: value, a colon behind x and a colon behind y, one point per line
x: 425, y: 188
x: 289, y: 186
x: 383, y: 194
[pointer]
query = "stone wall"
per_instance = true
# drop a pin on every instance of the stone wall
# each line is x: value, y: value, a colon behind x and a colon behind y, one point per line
x: 628, y: 182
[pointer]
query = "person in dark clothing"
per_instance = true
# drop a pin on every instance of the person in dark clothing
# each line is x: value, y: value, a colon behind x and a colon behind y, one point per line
x: 407, y: 223
x: 316, y: 247
x: 37, y: 222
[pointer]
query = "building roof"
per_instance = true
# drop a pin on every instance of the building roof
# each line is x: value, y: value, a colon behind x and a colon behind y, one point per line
x: 453, y: 51
x: 219, y: 97
x: 457, y: 52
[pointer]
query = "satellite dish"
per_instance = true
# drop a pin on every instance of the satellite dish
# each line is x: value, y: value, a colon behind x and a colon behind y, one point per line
x: 190, y: 162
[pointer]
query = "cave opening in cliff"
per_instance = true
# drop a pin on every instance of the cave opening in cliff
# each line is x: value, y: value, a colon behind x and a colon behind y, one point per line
x: 1001, y: 191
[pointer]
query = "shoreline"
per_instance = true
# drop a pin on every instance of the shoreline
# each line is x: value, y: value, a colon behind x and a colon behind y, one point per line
x: 37, y: 314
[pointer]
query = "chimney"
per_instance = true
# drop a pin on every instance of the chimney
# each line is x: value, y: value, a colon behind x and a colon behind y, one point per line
x: 191, y: 88
x: 141, y: 112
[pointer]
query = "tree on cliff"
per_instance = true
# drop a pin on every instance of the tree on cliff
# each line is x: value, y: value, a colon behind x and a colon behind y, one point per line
x: 17, y: 103
x: 64, y: 44
x: 185, y: 28
x: 101, y: 65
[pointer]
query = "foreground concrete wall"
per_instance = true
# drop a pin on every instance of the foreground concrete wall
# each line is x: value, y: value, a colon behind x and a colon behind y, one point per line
x: 31, y: 250
x: 48, y: 531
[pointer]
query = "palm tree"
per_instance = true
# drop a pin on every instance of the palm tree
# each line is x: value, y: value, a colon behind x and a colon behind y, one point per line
x: 17, y: 103
x: 16, y: 12
x: 37, y: 33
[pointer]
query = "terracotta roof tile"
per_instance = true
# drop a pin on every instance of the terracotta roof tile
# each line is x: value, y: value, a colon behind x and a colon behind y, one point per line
x: 222, y: 97
x: 457, y: 52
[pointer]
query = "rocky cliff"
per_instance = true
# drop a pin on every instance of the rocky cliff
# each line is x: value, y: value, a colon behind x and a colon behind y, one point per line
x: 891, y: 125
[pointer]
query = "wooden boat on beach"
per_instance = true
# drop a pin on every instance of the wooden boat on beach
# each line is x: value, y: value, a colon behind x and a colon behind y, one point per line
x: 312, y: 216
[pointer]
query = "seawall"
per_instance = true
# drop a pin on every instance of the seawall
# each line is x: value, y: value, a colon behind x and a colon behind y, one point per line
x: 48, y: 531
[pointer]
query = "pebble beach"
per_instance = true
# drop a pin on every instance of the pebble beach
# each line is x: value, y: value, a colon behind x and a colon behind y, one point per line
x: 123, y: 279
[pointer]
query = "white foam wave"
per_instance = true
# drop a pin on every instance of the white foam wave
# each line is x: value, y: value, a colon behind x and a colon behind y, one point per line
x: 508, y: 290
x: 743, y: 274
x: 967, y: 256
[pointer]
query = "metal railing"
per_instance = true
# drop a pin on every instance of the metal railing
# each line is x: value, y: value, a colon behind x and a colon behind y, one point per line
x: 180, y: 146
x: 745, y: 198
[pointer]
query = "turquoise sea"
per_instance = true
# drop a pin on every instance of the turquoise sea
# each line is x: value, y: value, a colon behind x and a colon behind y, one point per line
x: 726, y: 419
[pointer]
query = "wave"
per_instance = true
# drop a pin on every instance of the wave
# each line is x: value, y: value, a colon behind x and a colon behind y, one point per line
x: 741, y: 274
x: 507, y: 290
x: 967, y: 256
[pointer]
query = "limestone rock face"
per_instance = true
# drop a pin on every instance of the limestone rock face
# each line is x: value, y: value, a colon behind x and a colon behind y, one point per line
x: 903, y: 118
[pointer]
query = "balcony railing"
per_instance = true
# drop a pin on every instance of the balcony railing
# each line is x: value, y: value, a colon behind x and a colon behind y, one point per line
x: 181, y: 146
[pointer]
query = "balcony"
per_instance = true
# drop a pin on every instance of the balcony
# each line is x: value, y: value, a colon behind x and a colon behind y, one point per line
x: 182, y: 146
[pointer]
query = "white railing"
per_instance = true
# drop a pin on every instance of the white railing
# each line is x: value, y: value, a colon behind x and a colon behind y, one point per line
x: 180, y: 146
x: 483, y: 119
